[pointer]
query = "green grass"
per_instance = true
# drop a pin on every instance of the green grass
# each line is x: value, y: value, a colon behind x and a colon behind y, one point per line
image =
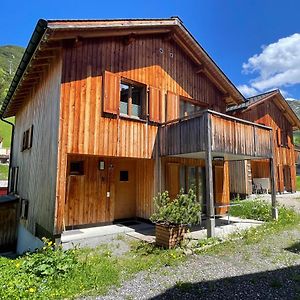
x: 69, y: 274
x: 288, y: 219
x: 5, y: 132
x: 298, y: 183
x: 3, y: 172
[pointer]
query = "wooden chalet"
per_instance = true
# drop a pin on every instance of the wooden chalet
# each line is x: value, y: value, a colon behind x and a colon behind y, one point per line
x: 269, y: 109
x: 110, y: 112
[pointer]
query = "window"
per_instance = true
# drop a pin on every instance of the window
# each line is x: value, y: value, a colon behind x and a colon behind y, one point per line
x: 132, y: 99
x: 27, y: 139
x: 123, y: 175
x: 77, y: 168
x: 14, y: 178
x: 187, y: 108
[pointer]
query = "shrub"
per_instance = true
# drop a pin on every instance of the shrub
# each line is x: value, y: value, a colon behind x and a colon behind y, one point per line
x: 49, y: 261
x: 184, y: 210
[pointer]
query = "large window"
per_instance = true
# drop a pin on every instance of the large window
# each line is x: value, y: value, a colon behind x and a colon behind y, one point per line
x: 132, y: 100
x: 192, y: 177
x: 187, y: 108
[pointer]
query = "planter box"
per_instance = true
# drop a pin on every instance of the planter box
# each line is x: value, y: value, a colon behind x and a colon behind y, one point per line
x: 169, y: 236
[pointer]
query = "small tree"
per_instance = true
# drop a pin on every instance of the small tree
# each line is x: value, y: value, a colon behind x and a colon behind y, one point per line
x: 184, y: 210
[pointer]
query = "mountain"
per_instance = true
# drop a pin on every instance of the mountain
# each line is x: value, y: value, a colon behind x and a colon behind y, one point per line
x: 10, y: 57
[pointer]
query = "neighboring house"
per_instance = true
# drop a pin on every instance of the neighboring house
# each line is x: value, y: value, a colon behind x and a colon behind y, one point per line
x: 110, y: 112
x: 4, y: 152
x: 270, y: 109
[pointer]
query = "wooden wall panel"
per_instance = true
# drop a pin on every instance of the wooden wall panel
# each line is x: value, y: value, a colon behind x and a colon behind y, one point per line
x: 38, y: 166
x: 240, y: 177
x: 83, y: 128
x: 145, y: 188
x: 269, y: 114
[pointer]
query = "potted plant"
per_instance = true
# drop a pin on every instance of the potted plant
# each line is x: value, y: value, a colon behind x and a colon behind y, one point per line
x: 173, y: 216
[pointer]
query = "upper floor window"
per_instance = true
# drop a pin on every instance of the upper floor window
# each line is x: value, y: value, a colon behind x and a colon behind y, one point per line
x: 132, y: 99
x: 187, y: 108
x: 27, y: 139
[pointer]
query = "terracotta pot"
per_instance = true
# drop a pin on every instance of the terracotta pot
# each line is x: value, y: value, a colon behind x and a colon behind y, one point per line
x: 169, y: 236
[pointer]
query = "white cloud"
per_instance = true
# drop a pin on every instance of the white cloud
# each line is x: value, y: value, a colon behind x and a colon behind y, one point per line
x: 246, y: 90
x: 278, y: 65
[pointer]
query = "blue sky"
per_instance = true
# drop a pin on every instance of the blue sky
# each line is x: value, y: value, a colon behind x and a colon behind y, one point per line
x: 256, y: 43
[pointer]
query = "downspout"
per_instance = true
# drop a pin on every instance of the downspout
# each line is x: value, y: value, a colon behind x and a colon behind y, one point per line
x: 11, y: 149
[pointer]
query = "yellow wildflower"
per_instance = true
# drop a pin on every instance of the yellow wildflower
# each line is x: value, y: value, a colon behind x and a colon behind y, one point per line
x: 17, y: 265
x: 50, y: 243
x: 31, y: 290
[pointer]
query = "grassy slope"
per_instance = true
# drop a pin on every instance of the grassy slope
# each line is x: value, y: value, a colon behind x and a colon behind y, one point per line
x: 10, y: 56
x: 298, y: 183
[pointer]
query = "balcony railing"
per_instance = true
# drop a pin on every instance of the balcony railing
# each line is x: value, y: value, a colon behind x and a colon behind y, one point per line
x: 225, y: 134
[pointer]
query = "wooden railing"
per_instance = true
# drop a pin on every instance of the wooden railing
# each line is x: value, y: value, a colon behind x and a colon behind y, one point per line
x: 229, y: 135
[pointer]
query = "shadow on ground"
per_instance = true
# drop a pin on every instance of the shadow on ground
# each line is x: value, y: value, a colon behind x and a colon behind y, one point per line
x: 277, y: 284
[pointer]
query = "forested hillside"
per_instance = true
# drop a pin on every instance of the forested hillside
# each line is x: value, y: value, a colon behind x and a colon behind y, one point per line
x: 10, y: 57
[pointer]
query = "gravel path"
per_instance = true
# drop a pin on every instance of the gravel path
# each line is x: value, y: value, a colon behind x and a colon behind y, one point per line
x: 266, y: 270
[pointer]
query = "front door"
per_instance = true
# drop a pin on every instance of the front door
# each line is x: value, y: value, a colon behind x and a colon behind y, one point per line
x: 125, y: 189
x: 221, y: 186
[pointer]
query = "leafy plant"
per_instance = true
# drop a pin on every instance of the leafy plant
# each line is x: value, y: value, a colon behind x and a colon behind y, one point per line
x: 184, y: 210
x: 49, y: 261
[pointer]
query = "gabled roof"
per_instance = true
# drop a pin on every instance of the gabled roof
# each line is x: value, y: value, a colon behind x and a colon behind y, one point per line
x: 278, y: 99
x: 49, y: 32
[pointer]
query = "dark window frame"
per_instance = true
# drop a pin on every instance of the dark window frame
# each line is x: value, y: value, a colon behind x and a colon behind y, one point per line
x: 77, y: 171
x: 27, y: 139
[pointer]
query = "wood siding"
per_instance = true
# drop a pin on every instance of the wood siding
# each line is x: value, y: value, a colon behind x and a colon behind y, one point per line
x: 269, y: 114
x: 229, y: 136
x: 38, y: 165
x: 8, y: 225
x: 240, y: 177
x: 84, y: 129
x: 87, y: 199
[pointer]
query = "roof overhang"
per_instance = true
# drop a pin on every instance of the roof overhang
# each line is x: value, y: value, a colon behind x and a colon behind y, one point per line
x: 54, y: 31
x: 280, y: 102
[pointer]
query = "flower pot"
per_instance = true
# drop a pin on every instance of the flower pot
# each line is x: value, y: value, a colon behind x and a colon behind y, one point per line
x: 169, y: 236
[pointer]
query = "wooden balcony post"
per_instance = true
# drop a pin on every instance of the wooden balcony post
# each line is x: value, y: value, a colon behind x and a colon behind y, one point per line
x: 273, y: 190
x: 272, y: 178
x: 210, y: 210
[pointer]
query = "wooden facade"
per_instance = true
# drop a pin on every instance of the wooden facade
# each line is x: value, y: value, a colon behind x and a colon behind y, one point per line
x: 269, y: 111
x: 91, y: 163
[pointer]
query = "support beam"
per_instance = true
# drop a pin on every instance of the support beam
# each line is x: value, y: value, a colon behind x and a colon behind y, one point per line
x: 273, y: 190
x: 210, y: 209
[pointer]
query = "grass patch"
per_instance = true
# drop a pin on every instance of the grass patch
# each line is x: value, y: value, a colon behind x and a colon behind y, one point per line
x: 57, y: 274
x: 3, y: 172
x: 5, y: 132
x: 298, y: 183
x: 288, y: 219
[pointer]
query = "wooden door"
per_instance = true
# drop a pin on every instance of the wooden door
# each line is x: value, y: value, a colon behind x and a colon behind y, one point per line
x: 221, y: 186
x: 125, y: 189
x: 287, y: 178
x: 89, y: 195
x: 173, y: 186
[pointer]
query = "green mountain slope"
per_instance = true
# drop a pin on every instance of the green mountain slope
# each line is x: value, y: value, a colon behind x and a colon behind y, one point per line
x: 10, y: 57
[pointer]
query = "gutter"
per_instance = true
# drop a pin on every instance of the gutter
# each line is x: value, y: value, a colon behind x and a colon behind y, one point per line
x: 35, y: 39
x: 11, y: 150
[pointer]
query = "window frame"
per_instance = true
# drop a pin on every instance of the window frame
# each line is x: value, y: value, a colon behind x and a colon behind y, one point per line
x: 143, y: 99
x: 197, y: 104
x: 81, y: 168
x: 27, y: 139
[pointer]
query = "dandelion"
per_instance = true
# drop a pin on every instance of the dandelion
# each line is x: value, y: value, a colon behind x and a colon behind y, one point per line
x: 31, y: 290
x: 17, y: 265
x: 50, y: 243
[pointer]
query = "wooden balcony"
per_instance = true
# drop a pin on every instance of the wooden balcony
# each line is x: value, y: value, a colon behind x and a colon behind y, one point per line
x: 226, y: 136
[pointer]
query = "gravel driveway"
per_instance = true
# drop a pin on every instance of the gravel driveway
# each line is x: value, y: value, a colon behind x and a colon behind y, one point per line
x: 267, y: 270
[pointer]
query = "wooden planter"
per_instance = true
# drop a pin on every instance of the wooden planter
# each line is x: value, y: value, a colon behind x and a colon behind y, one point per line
x: 169, y: 236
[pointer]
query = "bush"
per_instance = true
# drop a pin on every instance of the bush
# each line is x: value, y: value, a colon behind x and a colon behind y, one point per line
x: 184, y: 210
x: 49, y: 261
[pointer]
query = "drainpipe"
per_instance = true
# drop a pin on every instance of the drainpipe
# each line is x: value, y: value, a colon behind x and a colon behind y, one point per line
x: 11, y: 148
